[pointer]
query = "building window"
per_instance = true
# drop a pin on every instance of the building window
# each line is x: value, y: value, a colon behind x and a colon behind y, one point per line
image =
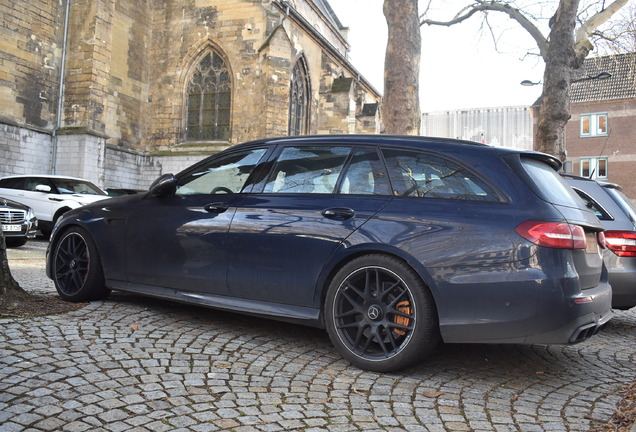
x: 593, y: 124
x: 299, y: 100
x: 209, y: 100
x: 595, y: 168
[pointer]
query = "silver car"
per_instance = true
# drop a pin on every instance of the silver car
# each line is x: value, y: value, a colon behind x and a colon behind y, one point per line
x: 18, y: 222
x: 618, y: 217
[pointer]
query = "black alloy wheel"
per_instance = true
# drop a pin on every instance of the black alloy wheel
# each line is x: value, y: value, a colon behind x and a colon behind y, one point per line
x: 77, y: 270
x: 380, y: 316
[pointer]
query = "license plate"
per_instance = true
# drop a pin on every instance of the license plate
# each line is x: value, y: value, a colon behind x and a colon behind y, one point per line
x: 592, y: 242
x: 11, y: 228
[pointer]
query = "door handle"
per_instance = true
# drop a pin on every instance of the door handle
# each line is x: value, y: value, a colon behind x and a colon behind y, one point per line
x: 338, y: 213
x: 216, y: 207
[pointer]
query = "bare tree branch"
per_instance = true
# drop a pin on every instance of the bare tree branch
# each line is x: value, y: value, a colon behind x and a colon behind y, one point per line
x: 563, y: 49
x: 495, y: 40
x: 583, y: 44
x: 483, y: 6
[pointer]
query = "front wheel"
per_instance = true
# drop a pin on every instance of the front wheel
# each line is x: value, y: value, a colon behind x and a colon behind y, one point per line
x: 77, y: 269
x: 379, y: 314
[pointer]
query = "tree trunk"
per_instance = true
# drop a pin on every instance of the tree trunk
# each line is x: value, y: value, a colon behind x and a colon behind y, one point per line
x: 8, y: 285
x: 560, y: 61
x: 401, y: 104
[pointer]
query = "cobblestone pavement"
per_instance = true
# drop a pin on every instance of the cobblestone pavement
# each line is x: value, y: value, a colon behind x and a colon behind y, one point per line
x: 137, y: 364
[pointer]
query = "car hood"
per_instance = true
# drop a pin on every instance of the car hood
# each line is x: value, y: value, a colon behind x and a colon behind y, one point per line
x: 5, y: 202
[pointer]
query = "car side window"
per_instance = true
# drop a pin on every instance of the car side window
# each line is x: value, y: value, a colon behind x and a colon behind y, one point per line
x: 13, y: 183
x: 307, y: 170
x: 423, y: 175
x: 31, y: 184
x: 223, y: 175
x: 70, y: 186
x: 598, y: 210
x: 365, y: 175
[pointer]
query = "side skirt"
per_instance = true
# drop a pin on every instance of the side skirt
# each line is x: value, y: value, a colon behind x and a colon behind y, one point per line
x: 280, y: 312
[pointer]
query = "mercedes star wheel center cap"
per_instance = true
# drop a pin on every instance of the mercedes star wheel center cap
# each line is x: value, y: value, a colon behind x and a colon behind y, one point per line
x: 374, y: 312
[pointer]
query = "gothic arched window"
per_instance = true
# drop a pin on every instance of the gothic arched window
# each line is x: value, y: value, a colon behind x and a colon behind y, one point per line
x: 209, y: 100
x: 299, y: 100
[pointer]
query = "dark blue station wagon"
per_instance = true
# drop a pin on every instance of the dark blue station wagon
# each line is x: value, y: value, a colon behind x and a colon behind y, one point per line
x: 390, y: 243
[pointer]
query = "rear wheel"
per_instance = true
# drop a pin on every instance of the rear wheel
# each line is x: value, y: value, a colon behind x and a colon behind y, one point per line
x: 379, y: 314
x: 77, y: 269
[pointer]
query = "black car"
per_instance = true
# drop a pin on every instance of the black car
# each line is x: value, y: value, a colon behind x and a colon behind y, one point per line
x: 18, y: 222
x: 391, y: 243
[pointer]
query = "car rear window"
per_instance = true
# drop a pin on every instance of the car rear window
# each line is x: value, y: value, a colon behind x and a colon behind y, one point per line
x: 623, y: 202
x: 549, y: 185
x: 13, y: 183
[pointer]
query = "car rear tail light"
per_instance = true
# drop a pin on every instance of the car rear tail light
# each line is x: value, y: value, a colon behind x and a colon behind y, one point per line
x: 622, y: 243
x: 556, y: 235
x: 601, y: 239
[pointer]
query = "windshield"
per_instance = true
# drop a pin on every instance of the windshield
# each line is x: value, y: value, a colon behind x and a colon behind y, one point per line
x: 70, y: 186
x: 623, y: 202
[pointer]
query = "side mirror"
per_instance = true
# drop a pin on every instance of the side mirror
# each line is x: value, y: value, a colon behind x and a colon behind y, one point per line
x: 163, y: 186
x: 43, y: 188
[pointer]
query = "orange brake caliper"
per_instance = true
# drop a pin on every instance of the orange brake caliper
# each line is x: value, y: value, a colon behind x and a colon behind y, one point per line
x: 404, y: 307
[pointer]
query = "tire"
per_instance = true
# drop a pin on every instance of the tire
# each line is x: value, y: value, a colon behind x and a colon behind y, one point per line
x: 77, y: 269
x: 386, y: 330
x: 15, y: 242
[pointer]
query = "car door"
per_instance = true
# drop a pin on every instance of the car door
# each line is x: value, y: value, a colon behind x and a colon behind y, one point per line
x: 180, y: 241
x: 313, y: 199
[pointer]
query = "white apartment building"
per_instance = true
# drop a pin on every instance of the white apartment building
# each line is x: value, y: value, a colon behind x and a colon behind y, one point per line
x: 501, y: 126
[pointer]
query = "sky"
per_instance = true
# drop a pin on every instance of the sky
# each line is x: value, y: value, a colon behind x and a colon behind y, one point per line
x: 460, y: 67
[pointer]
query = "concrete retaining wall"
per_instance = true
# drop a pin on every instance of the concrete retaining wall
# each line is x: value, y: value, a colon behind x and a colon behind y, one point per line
x: 25, y: 151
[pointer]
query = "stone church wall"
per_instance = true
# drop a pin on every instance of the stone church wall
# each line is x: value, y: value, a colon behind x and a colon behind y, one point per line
x: 29, y: 60
x: 128, y: 63
x: 183, y: 32
x: 106, y: 69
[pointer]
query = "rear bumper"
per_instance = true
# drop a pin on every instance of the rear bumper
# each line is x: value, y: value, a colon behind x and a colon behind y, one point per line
x: 588, y: 313
x: 558, y: 313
